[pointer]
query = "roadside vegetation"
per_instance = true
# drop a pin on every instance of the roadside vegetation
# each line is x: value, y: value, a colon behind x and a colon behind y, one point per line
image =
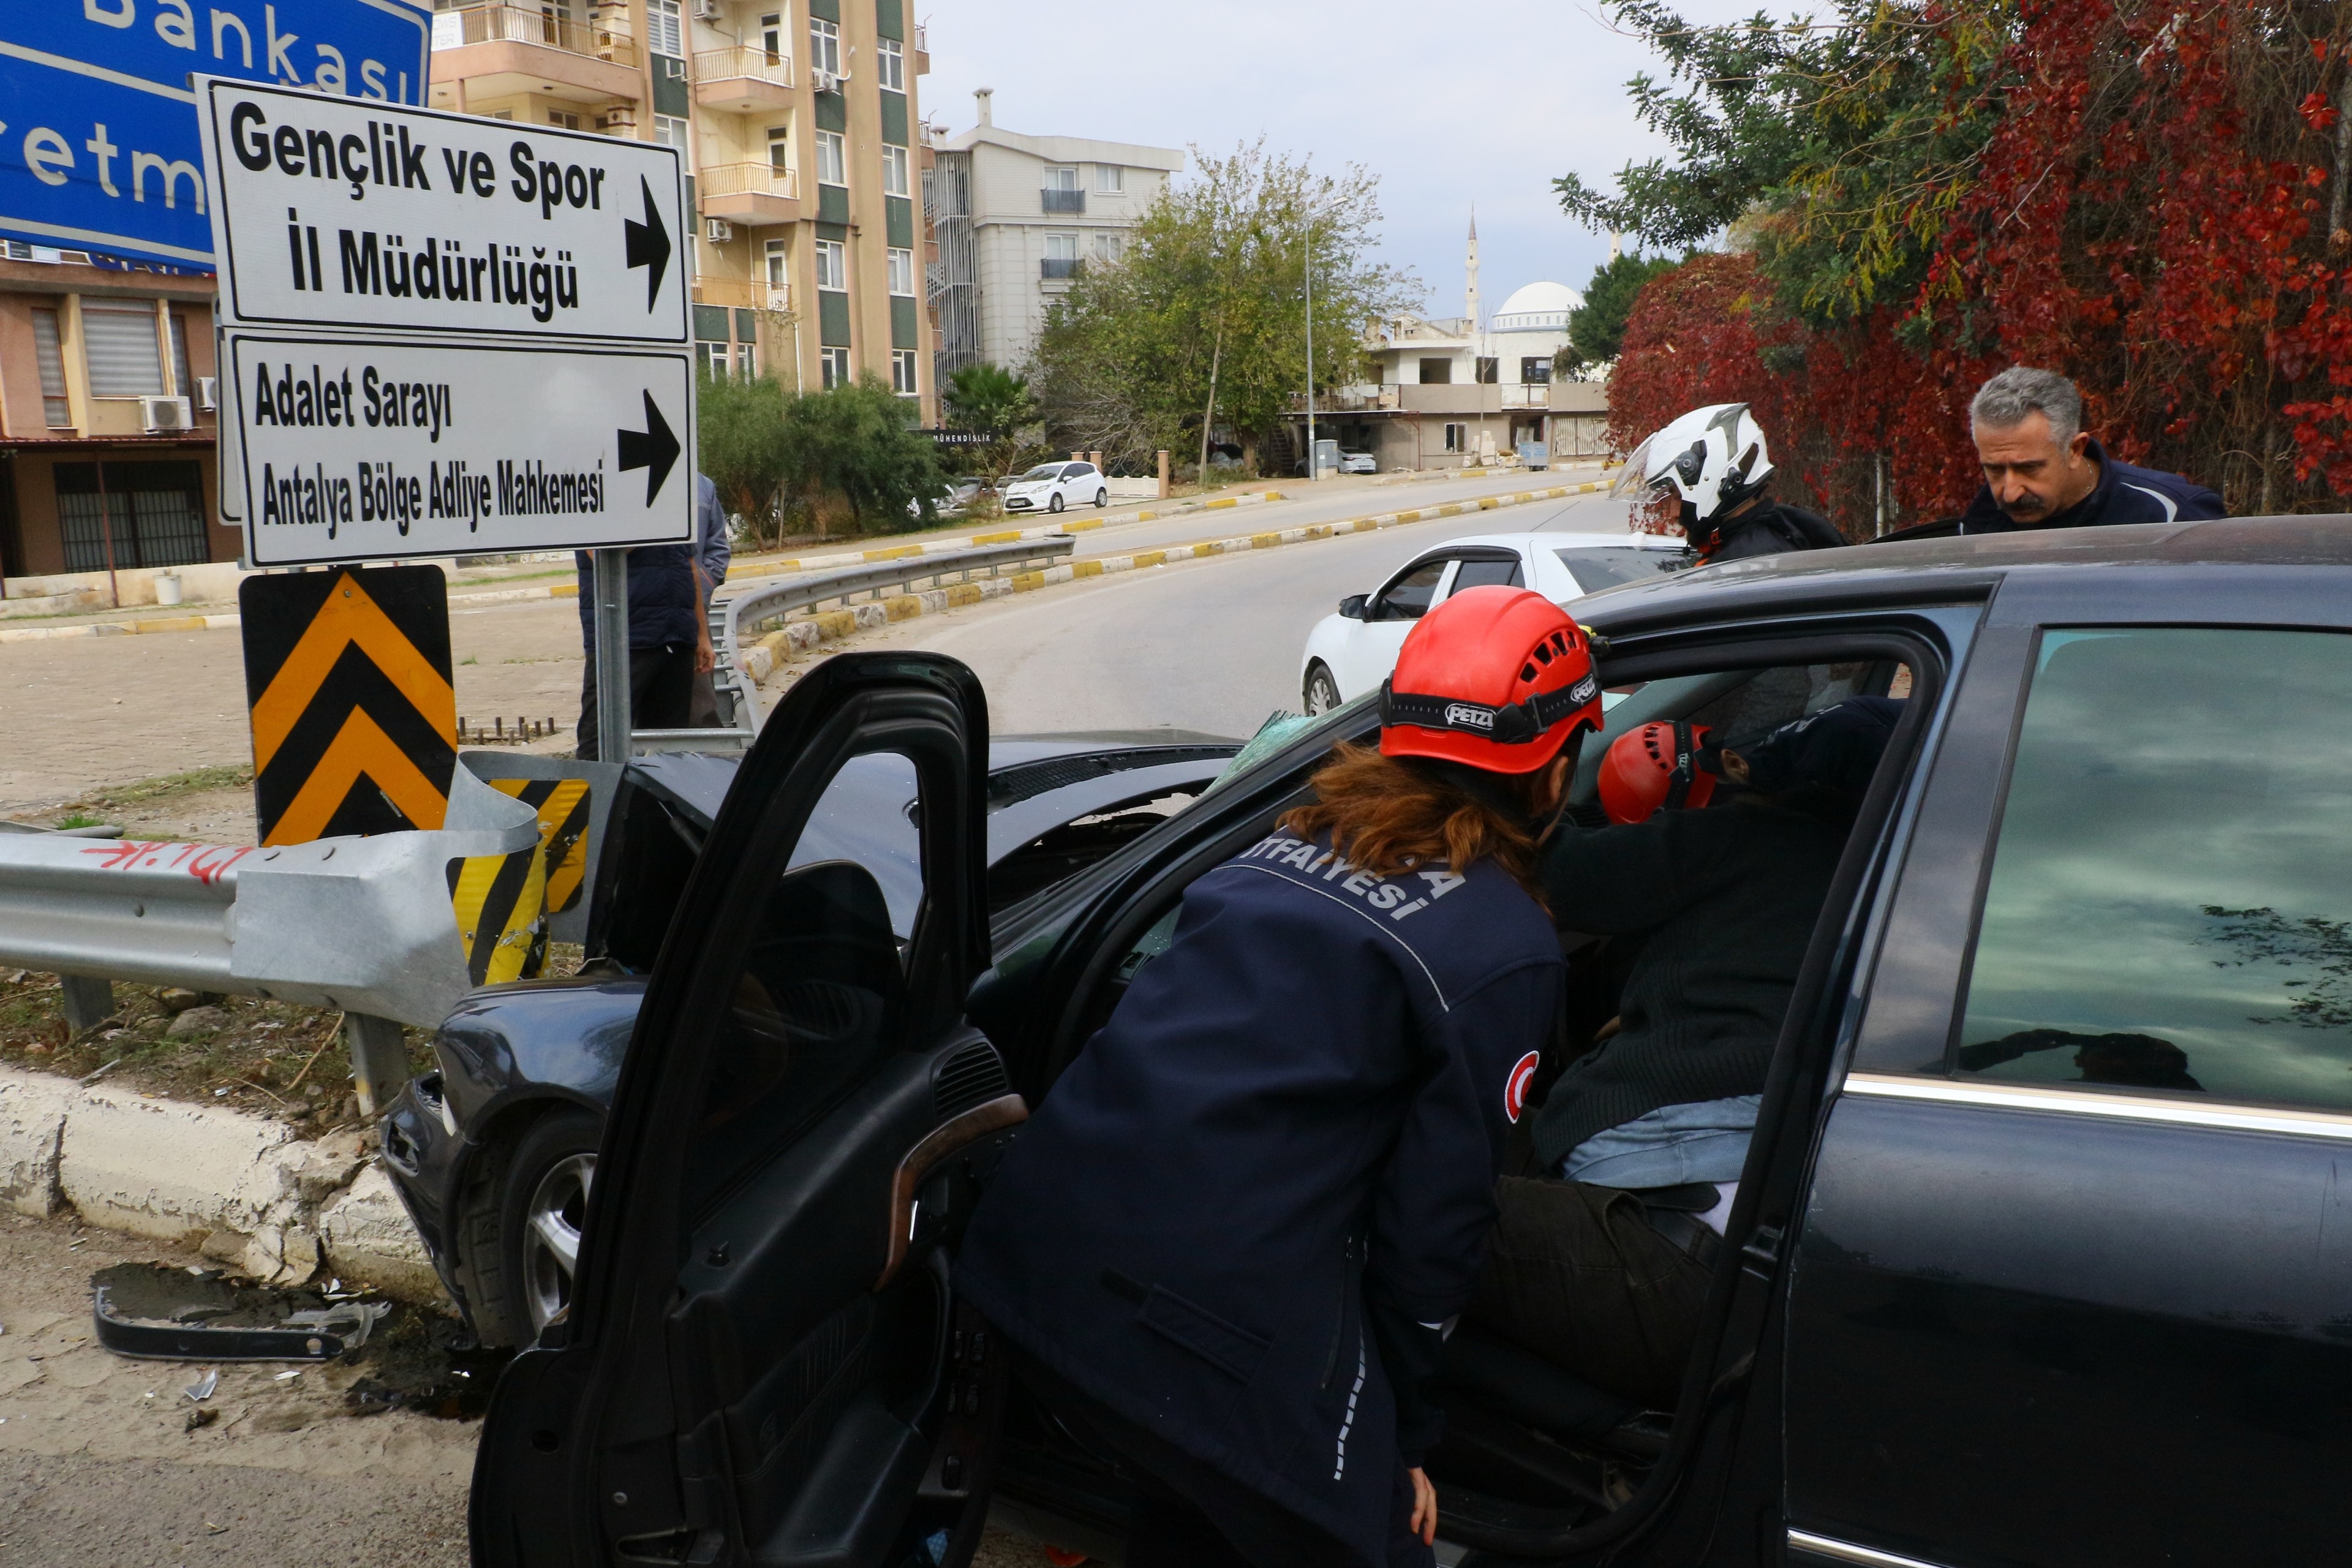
x: 1908, y: 198
x: 844, y: 461
x: 1199, y: 326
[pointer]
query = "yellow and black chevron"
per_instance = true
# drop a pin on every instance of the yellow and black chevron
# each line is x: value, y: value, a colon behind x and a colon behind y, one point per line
x: 562, y: 807
x: 354, y: 719
x: 501, y: 902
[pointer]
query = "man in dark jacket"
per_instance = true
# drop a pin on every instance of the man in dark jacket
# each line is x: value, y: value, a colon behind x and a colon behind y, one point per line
x: 669, y: 641
x: 2042, y: 469
x: 1604, y: 1272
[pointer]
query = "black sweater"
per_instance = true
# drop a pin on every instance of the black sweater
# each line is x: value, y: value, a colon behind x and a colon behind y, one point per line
x: 1729, y: 897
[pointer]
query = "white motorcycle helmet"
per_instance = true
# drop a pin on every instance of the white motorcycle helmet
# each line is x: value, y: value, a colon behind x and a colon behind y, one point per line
x: 1713, y: 458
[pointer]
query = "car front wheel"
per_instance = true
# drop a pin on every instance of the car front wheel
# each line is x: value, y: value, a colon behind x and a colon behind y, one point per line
x: 1321, y: 693
x: 1056, y: 505
x: 522, y: 1224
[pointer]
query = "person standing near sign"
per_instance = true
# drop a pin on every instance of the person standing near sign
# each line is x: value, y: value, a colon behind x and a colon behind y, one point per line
x: 712, y: 553
x: 669, y: 641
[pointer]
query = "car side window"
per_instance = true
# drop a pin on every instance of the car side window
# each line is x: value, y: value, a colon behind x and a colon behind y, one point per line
x: 1488, y: 574
x: 1408, y: 598
x: 816, y: 1004
x: 2170, y: 901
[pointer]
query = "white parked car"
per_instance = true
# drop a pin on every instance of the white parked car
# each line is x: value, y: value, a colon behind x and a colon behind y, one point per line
x: 1050, y: 487
x: 1359, y: 463
x: 1352, y: 651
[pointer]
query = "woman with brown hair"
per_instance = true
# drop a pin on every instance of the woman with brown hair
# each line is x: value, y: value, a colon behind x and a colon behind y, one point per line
x: 1228, y: 1244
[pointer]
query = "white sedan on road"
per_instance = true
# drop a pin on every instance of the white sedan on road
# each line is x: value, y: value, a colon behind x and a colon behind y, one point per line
x: 1050, y: 487
x: 1352, y: 652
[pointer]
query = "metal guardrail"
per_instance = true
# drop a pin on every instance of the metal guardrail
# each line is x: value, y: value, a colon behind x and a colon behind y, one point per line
x: 758, y: 607
x: 363, y: 925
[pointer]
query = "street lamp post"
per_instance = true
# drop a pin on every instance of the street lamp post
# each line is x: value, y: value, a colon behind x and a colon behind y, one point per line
x: 1314, y: 469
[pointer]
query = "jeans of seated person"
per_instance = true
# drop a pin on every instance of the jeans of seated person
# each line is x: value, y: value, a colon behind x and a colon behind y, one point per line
x: 661, y: 690
x: 1576, y: 1274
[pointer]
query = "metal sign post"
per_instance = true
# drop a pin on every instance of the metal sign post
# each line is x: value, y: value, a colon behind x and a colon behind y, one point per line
x: 611, y: 582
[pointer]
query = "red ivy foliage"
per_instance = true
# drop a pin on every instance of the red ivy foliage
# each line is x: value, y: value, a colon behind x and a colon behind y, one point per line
x: 2149, y: 216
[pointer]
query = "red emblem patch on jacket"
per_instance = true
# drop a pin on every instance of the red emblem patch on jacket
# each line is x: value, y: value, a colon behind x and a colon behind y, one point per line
x: 1515, y: 1088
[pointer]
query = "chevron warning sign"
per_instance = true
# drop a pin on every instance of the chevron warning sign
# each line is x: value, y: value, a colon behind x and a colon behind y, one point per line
x: 354, y: 719
x: 500, y: 916
x: 562, y: 807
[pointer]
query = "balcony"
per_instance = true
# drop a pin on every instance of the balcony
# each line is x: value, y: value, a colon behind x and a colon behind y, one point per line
x: 752, y: 194
x: 744, y: 294
x: 742, y: 81
x: 1358, y: 398
x: 1057, y: 268
x: 1531, y: 395
x: 492, y: 51
x: 1063, y: 201
x: 923, y: 44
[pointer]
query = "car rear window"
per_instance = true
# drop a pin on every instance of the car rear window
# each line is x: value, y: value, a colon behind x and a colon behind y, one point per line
x: 1611, y: 565
x: 2170, y: 904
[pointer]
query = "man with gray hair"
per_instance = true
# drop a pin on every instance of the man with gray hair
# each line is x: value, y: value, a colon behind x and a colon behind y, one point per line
x: 2042, y: 469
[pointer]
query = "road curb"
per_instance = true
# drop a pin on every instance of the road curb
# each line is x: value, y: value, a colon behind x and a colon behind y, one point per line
x: 242, y: 1187
x: 796, y: 638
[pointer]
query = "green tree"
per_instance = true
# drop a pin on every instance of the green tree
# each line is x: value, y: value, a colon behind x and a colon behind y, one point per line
x: 992, y: 401
x: 1597, y: 328
x: 1202, y: 320
x: 739, y: 428
x: 856, y: 450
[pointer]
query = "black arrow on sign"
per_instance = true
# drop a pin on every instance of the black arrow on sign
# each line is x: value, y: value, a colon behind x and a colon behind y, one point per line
x: 649, y: 243
x: 652, y: 448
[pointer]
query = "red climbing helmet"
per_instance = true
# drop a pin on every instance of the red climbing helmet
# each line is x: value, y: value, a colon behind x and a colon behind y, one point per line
x: 1494, y: 677
x: 1653, y: 767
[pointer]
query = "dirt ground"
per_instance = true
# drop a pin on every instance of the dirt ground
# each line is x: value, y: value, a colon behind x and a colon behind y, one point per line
x: 99, y: 1466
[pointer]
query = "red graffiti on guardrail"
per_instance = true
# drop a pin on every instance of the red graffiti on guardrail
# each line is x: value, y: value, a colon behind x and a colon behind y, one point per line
x: 208, y: 863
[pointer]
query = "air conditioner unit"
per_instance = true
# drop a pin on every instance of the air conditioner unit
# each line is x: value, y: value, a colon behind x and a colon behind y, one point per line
x: 207, y: 394
x: 824, y: 81
x: 718, y: 230
x: 161, y: 414
x: 709, y: 10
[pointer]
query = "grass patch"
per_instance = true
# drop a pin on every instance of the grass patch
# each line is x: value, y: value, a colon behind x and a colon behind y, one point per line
x: 255, y: 1050
x: 170, y: 786
x: 78, y: 819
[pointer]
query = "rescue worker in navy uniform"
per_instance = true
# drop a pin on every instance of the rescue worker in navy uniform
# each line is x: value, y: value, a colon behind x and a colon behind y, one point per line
x: 1601, y: 1264
x: 1229, y: 1242
x: 1714, y: 463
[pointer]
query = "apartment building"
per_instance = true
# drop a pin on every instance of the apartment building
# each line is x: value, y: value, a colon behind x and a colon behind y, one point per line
x: 798, y: 122
x: 1013, y: 216
x: 107, y: 423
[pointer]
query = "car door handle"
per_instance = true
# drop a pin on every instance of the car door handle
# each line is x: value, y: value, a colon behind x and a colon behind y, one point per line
x: 990, y: 1116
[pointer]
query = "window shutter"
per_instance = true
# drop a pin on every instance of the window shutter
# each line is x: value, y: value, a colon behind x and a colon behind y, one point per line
x: 120, y: 341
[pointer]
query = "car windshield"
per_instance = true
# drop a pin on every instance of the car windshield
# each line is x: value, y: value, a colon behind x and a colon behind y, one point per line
x: 1043, y: 472
x: 1611, y: 565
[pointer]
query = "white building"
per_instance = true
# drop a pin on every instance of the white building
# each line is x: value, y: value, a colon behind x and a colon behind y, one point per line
x: 1013, y: 216
x: 1464, y: 390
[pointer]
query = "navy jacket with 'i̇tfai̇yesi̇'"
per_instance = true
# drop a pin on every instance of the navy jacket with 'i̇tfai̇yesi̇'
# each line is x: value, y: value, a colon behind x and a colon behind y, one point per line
x: 1297, y: 1110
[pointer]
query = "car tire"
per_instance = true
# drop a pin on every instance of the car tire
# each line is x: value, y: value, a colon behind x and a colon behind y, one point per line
x: 1320, y: 693
x: 520, y: 1225
x: 1056, y: 505
x: 1102, y: 498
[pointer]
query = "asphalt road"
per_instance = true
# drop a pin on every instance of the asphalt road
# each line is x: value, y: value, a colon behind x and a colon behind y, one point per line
x: 1208, y: 645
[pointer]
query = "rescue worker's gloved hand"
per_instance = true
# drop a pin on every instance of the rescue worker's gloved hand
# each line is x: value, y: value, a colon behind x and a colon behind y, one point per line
x: 1836, y: 749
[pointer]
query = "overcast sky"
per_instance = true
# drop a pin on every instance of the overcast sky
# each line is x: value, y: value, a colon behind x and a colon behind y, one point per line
x: 1449, y: 104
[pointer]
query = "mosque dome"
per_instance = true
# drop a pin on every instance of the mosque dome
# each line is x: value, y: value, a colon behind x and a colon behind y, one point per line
x: 1538, y: 308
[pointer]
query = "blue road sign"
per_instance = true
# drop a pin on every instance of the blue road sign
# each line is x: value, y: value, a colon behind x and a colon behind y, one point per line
x: 98, y: 146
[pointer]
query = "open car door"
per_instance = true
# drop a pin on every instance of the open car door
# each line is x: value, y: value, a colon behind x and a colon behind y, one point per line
x: 762, y: 1363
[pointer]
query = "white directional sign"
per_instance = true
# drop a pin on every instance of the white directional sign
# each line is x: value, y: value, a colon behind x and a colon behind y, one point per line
x: 352, y: 449
x: 332, y: 212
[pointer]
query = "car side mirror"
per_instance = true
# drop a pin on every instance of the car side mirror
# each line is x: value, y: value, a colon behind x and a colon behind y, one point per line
x: 1352, y: 606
